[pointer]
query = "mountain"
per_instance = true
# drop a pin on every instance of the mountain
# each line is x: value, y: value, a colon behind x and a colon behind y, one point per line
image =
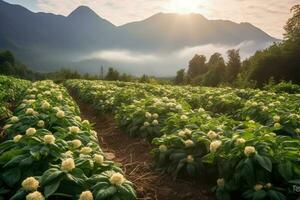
x: 175, y: 31
x: 46, y: 41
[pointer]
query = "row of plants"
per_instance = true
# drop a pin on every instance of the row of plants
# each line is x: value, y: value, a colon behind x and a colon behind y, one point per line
x: 268, y: 108
x: 248, y: 159
x: 51, y: 153
x: 12, y: 90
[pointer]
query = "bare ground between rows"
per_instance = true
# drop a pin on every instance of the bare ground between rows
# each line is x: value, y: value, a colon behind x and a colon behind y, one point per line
x: 135, y: 160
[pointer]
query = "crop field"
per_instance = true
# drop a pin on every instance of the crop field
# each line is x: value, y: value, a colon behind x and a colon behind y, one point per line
x: 11, y: 91
x: 245, y: 141
x: 51, y: 153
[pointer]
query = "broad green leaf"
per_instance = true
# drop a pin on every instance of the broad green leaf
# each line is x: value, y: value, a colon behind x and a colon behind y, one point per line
x: 51, y: 188
x: 264, y: 162
x: 105, y: 193
x: 11, y: 176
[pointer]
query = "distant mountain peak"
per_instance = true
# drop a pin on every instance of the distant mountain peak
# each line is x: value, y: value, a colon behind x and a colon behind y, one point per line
x: 83, y: 11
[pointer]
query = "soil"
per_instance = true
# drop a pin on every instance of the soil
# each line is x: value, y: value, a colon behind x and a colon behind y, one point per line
x: 133, y: 155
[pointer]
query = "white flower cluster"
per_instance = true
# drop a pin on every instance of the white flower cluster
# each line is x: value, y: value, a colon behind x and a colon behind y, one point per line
x: 258, y: 187
x: 35, y: 196
x: 67, y: 165
x: 30, y: 184
x: 276, y: 118
x: 189, y: 143
x: 17, y: 138
x: 249, y: 150
x: 190, y: 159
x: 74, y: 129
x: 99, y: 159
x: 41, y: 123
x: 117, y: 179
x: 60, y: 114
x: 239, y: 141
x: 14, y: 119
x: 155, y: 122
x: 221, y: 182
x: 86, y: 195
x: 214, y: 145
x: 7, y: 126
x: 212, y: 135
x: 78, y: 118
x: 86, y: 150
x: 29, y: 111
x: 49, y: 139
x: 184, y: 132
x: 76, y: 143
x: 30, y: 131
x: 163, y: 148
x: 183, y: 117
x: 45, y: 105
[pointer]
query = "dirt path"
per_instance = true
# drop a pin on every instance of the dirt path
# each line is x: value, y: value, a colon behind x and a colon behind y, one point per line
x: 134, y: 158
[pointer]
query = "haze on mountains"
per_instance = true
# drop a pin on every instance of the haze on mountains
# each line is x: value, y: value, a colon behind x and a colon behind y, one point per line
x: 158, y: 45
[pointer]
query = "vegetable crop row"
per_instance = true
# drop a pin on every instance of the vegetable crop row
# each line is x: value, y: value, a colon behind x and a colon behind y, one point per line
x: 51, y: 153
x: 204, y: 132
x: 11, y: 91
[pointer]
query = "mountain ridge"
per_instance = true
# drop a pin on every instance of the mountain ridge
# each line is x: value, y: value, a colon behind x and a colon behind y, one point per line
x: 46, y: 41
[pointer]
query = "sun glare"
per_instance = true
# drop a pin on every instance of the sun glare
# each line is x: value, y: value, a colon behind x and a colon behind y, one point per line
x: 183, y: 6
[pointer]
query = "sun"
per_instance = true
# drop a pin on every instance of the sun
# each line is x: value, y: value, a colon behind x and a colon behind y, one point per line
x: 183, y: 6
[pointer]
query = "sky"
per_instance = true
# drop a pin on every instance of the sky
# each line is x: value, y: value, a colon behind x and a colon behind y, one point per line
x: 269, y: 15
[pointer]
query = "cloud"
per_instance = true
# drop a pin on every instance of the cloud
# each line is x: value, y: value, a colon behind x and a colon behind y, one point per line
x: 122, y: 56
x: 268, y: 15
x: 166, y: 64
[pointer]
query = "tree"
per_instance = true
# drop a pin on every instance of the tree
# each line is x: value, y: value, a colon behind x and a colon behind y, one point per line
x: 292, y: 27
x: 214, y: 59
x: 7, y: 56
x: 144, y: 79
x: 10, y: 66
x: 112, y: 75
x: 281, y: 60
x: 126, y: 78
x: 197, y: 66
x: 233, y: 64
x: 216, y: 71
x: 180, y: 77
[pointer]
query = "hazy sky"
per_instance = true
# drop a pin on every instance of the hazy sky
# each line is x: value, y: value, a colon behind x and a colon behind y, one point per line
x: 269, y: 15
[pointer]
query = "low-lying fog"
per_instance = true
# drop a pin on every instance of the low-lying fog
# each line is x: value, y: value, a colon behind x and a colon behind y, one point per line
x: 157, y: 63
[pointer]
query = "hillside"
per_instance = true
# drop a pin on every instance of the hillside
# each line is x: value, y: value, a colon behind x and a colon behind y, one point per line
x: 47, y: 41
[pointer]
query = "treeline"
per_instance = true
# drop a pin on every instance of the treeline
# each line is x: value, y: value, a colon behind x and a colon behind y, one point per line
x: 212, y: 72
x: 11, y: 67
x: 279, y: 62
x: 114, y: 75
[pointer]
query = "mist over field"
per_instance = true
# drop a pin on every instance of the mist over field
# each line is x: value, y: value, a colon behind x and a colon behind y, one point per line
x: 160, y: 63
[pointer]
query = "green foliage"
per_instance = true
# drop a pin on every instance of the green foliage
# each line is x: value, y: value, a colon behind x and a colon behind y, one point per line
x: 180, y: 77
x: 248, y: 138
x: 11, y: 92
x: 9, y: 66
x: 292, y: 27
x: 197, y: 66
x: 233, y: 64
x: 281, y: 60
x: 283, y: 86
x: 57, y: 152
x: 215, y: 72
x: 112, y: 75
